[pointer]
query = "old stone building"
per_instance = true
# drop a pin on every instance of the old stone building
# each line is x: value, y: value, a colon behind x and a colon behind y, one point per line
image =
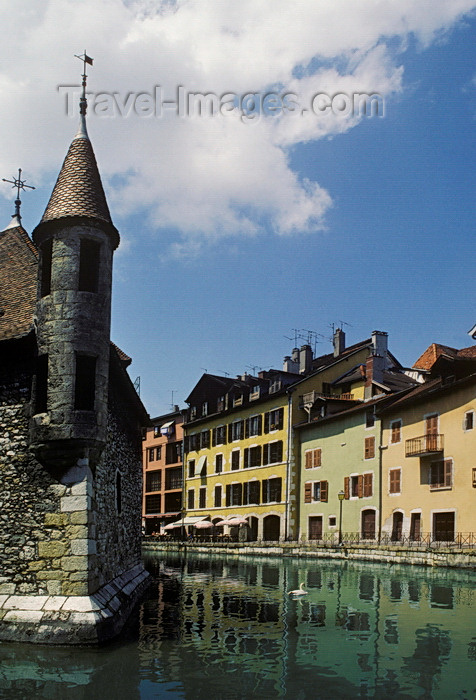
x: 70, y: 423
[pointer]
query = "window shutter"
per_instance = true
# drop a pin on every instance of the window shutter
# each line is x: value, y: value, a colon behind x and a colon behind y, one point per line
x: 265, y: 454
x: 247, y: 428
x: 214, y: 437
x: 280, y: 418
x: 308, y: 459
x: 447, y: 468
x: 317, y: 458
x: 369, y: 451
x: 347, y: 487
x: 246, y: 458
x: 368, y: 484
x: 324, y: 491
x: 266, y: 422
x: 360, y: 486
x: 264, y: 498
x: 228, y: 494
x: 394, y: 480
x: 260, y: 425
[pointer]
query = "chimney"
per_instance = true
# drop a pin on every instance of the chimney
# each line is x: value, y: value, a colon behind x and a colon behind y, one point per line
x: 305, y: 359
x: 380, y: 343
x: 291, y: 364
x: 374, y: 368
x: 339, y: 342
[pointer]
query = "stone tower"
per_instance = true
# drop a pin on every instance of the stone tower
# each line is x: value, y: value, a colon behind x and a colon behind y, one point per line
x: 70, y: 423
x: 76, y: 240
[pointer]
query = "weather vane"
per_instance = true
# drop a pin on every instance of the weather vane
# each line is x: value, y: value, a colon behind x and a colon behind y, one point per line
x: 86, y: 60
x: 20, y: 185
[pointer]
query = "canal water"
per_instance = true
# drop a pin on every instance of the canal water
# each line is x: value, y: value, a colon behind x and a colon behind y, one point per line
x: 226, y: 629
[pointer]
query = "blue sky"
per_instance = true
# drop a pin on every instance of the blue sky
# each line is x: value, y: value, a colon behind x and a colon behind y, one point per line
x: 236, y: 233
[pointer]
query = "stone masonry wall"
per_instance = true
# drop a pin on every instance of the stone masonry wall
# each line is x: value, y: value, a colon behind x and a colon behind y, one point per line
x: 59, y: 539
x: 118, y: 548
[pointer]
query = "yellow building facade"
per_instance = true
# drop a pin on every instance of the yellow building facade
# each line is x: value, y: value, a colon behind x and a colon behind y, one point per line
x: 242, y: 455
x: 429, y: 462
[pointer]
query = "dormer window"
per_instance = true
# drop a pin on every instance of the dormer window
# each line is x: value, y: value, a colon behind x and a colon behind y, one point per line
x: 205, y: 408
x: 255, y: 392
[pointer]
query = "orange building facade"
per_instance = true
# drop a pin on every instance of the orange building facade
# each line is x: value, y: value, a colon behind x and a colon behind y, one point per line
x: 162, y: 461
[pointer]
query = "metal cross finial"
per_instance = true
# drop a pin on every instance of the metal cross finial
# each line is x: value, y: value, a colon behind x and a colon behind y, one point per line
x: 83, y: 103
x: 20, y: 185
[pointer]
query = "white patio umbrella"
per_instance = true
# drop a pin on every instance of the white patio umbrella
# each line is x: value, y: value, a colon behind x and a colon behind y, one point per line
x: 237, y: 521
x: 203, y: 525
x: 171, y: 526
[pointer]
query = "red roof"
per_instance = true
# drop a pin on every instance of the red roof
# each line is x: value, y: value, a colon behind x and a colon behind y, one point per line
x: 18, y: 280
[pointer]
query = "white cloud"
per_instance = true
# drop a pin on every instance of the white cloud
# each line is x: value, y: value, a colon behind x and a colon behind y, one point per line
x: 204, y: 178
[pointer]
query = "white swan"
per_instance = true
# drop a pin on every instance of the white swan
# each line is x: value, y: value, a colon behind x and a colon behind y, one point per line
x: 298, y: 591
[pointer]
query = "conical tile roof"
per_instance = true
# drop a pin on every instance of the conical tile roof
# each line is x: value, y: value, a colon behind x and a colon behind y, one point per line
x: 78, y: 191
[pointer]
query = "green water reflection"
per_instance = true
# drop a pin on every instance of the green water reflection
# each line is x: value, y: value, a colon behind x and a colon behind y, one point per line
x: 226, y: 629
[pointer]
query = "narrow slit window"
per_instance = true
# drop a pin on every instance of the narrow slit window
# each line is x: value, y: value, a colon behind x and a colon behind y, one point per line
x: 85, y: 385
x: 41, y: 392
x: 88, y: 266
x: 46, y: 260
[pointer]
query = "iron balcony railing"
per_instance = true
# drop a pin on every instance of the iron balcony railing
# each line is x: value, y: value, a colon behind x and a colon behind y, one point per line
x: 424, y: 445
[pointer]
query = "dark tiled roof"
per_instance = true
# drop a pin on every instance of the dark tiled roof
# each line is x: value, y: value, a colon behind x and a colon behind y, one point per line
x: 125, y: 359
x: 18, y: 279
x: 78, y: 190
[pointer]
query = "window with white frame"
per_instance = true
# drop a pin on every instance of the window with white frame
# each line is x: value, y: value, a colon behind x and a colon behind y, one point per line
x: 469, y: 420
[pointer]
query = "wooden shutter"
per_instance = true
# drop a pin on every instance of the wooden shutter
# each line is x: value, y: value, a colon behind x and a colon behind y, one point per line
x: 264, y: 491
x: 247, y: 428
x: 316, y: 462
x: 308, y: 492
x: 228, y: 494
x: 360, y: 486
x: 347, y: 487
x: 280, y: 418
x: 246, y: 458
x: 266, y: 422
x: 309, y: 459
x: 394, y: 480
x: 368, y: 484
x: 447, y: 472
x: 324, y: 491
x: 214, y: 437
x: 260, y: 425
x: 265, y: 454
x: 369, y: 451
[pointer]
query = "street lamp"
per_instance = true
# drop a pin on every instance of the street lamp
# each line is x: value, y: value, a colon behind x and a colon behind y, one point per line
x: 340, y: 496
x: 183, y: 512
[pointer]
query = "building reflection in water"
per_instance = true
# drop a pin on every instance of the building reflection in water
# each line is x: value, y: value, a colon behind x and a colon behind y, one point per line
x: 223, y: 628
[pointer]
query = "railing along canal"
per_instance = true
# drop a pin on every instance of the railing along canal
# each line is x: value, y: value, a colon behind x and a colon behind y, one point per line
x: 457, y: 540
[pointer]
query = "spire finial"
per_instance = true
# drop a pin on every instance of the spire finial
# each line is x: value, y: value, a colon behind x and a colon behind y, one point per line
x: 20, y: 185
x: 83, y: 103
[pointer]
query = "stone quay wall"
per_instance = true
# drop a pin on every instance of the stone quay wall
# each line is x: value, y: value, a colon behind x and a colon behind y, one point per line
x: 442, y: 557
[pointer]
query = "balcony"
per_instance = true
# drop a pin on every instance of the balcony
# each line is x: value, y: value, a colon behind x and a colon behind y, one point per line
x: 309, y: 399
x: 424, y: 446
